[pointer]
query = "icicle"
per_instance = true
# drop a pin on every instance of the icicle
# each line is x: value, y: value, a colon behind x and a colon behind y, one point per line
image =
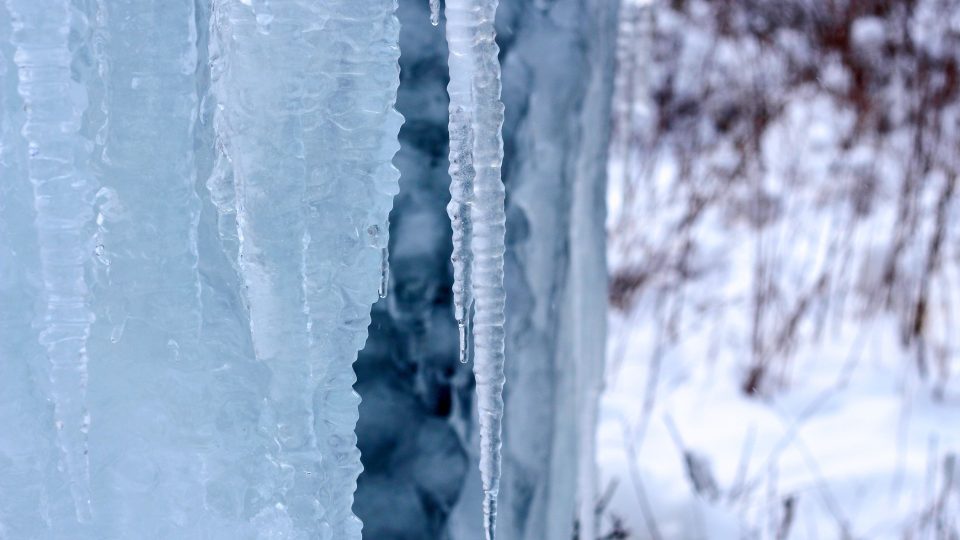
x: 462, y: 173
x: 466, y: 334
x: 461, y: 199
x: 379, y: 237
x: 305, y: 115
x: 384, y: 272
x: 54, y: 103
x: 478, y: 219
x: 435, y: 12
x: 251, y: 74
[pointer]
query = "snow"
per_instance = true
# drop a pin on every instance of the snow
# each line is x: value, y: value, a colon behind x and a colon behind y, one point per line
x: 779, y: 264
x: 850, y: 443
x: 462, y: 174
x: 868, y: 33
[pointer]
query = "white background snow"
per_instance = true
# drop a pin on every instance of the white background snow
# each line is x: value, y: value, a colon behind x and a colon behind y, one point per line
x: 737, y: 262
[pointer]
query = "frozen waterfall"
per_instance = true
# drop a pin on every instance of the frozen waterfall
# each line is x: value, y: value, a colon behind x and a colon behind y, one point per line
x: 192, y: 232
x: 194, y: 201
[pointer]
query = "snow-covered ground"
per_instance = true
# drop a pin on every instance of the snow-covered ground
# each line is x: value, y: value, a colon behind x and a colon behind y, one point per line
x: 782, y: 355
x: 843, y: 439
x: 855, y: 442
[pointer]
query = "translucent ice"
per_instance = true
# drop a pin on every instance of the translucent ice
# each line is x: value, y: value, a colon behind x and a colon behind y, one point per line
x: 305, y: 94
x: 193, y: 207
x: 477, y: 214
x: 54, y: 104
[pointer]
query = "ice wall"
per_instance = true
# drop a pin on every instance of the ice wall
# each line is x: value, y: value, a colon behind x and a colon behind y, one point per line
x: 193, y: 217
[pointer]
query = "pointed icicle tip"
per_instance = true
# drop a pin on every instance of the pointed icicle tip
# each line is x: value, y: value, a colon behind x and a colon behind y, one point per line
x: 435, y: 12
x: 384, y: 272
x: 489, y: 515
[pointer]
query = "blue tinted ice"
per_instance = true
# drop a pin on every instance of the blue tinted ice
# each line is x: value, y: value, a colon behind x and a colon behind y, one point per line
x: 193, y: 218
x: 478, y: 219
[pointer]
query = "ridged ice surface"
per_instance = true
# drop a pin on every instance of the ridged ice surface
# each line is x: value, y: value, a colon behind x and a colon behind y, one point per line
x: 462, y: 174
x: 477, y: 215
x: 304, y: 95
x: 193, y: 227
x: 32, y: 489
x: 62, y: 188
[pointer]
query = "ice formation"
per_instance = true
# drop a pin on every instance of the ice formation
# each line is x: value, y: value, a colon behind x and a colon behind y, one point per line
x: 435, y: 12
x: 477, y: 216
x: 305, y: 93
x: 462, y: 173
x: 53, y: 104
x: 193, y: 227
x: 556, y: 81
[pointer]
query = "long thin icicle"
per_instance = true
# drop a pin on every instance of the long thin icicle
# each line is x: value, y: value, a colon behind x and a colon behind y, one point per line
x: 477, y: 212
x: 62, y: 190
x: 462, y: 174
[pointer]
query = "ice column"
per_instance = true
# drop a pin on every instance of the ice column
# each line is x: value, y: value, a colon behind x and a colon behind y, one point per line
x: 305, y: 94
x: 28, y: 451
x: 151, y: 425
x: 477, y: 214
x: 45, y: 42
x: 462, y: 175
